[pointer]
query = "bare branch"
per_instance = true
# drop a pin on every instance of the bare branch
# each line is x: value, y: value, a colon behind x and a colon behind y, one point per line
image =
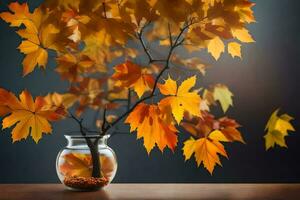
x: 129, y: 99
x: 103, y: 121
x: 170, y: 34
x: 140, y: 37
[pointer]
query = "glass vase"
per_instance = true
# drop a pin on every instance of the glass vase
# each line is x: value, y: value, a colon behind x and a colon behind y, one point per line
x: 86, y: 163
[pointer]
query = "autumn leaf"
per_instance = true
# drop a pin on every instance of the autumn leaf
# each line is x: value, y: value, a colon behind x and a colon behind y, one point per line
x: 234, y: 49
x: 37, y: 37
x: 277, y: 129
x: 65, y: 100
x: 228, y: 127
x: 222, y: 94
x: 19, y: 14
x: 29, y: 116
x: 70, y: 66
x: 206, y: 150
x: 180, y: 99
x: 215, y: 47
x: 89, y: 93
x: 167, y: 10
x: 242, y: 35
x: 131, y: 75
x: 147, y: 121
x: 207, y: 124
x: 194, y: 63
x: 209, y: 133
x: 76, y: 164
x: 81, y: 165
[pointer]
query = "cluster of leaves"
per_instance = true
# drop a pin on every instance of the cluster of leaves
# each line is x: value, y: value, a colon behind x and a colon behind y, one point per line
x: 88, y: 35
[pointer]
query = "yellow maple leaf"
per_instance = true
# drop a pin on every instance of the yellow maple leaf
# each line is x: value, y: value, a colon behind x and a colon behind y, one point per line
x: 215, y: 47
x: 38, y: 38
x: 242, y: 35
x: 147, y: 120
x: 222, y: 94
x: 277, y: 128
x: 206, y: 150
x: 180, y: 99
x: 234, y: 49
x: 30, y: 117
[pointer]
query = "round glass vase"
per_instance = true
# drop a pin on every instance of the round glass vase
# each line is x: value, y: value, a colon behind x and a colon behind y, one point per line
x: 86, y: 163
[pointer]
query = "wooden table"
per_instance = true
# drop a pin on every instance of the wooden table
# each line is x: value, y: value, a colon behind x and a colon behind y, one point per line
x: 155, y: 191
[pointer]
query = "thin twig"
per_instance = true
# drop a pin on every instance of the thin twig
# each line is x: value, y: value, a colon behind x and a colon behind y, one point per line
x: 140, y: 37
x: 96, y: 115
x: 79, y: 121
x: 104, y: 121
x: 104, y: 10
x: 129, y: 99
x: 170, y: 34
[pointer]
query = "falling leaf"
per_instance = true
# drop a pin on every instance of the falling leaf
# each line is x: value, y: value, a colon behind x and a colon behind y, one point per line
x: 180, y: 99
x: 30, y: 117
x: 234, y: 49
x: 222, y: 94
x: 277, y: 129
x: 147, y: 121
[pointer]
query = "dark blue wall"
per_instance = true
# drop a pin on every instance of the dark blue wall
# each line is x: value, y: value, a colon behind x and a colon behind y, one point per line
x: 266, y: 78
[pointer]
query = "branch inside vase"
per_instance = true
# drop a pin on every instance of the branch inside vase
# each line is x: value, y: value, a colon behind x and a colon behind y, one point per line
x: 93, y: 147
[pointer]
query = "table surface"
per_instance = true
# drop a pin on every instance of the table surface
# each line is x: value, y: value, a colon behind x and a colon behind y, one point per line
x: 154, y: 191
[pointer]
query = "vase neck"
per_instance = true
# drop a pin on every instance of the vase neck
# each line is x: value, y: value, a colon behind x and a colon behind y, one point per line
x: 80, y: 141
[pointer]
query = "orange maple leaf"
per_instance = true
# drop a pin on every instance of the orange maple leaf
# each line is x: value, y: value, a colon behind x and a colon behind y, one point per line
x: 209, y: 132
x: 146, y: 119
x: 131, y: 75
x: 31, y: 117
x: 19, y: 14
x: 81, y: 165
x: 206, y: 150
x: 76, y: 164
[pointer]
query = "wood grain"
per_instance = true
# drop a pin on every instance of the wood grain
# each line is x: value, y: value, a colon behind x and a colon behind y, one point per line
x: 155, y: 191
